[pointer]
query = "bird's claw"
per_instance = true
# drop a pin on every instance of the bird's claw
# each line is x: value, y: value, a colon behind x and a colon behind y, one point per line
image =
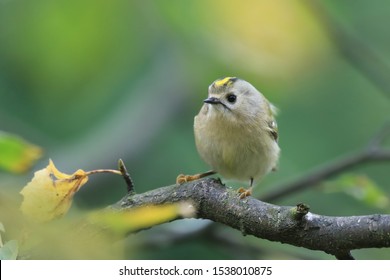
x: 244, y: 192
x: 181, y: 178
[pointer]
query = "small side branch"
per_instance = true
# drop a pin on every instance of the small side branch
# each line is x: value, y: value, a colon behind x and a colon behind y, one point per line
x: 126, y: 177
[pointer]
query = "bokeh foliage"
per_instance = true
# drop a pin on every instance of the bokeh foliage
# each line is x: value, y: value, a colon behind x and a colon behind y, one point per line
x: 92, y: 81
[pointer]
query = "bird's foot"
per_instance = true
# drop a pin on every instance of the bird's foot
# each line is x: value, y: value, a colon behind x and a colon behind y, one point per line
x: 181, y: 178
x: 244, y: 192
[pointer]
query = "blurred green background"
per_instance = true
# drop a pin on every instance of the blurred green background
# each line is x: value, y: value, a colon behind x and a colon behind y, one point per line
x: 93, y: 81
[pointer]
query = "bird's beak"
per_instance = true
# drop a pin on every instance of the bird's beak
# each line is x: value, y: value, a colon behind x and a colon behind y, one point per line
x: 212, y: 100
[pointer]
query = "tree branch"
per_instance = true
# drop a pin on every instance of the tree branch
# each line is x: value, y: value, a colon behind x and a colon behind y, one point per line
x: 292, y: 225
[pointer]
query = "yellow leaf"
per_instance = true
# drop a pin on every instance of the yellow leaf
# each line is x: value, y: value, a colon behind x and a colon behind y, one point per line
x: 49, y: 194
x: 140, y: 218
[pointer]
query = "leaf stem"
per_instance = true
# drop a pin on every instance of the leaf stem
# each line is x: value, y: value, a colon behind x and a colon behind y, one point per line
x: 103, y: 171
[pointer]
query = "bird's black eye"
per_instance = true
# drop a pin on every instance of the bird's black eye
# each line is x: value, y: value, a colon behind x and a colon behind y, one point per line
x: 231, y: 98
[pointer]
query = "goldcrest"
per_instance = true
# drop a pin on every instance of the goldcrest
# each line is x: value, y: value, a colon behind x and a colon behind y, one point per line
x: 236, y: 133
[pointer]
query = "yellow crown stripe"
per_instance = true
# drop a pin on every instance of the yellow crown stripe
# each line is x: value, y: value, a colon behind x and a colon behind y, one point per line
x: 224, y: 81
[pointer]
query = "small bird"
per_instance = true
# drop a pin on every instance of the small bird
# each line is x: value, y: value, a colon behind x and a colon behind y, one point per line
x: 236, y: 133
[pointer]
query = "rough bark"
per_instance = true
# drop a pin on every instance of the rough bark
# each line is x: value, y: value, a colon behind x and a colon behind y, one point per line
x: 294, y: 225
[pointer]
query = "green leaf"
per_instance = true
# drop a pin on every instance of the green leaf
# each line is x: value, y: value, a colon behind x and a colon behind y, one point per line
x: 9, y: 251
x: 16, y: 154
x: 362, y: 188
